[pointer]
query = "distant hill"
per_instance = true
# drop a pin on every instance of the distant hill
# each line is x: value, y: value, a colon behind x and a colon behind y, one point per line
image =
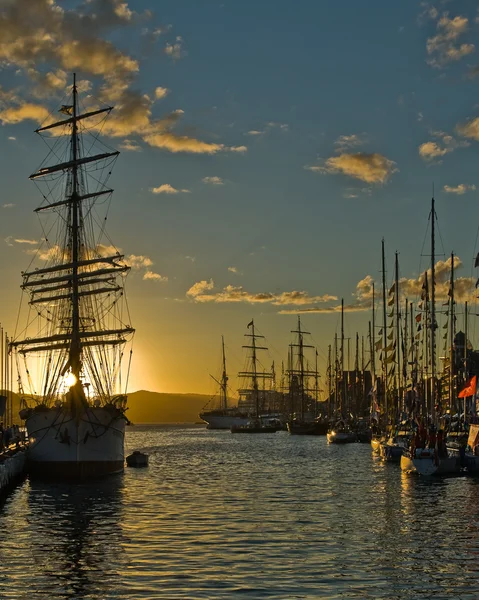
x: 153, y: 407
x: 150, y: 407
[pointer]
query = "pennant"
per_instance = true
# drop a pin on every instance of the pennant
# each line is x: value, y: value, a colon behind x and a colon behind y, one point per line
x: 378, y: 345
x: 392, y: 289
x: 66, y: 109
x: 476, y: 264
x: 418, y: 318
x: 392, y: 314
x: 420, y: 305
x: 391, y: 335
x: 470, y: 387
x: 250, y: 324
x: 391, y: 301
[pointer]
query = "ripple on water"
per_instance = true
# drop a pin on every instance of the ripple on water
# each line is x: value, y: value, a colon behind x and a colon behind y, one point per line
x: 222, y: 516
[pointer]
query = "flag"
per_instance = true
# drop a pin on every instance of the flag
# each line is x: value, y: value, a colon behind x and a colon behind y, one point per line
x: 250, y: 324
x: 66, y: 109
x: 476, y: 264
x: 391, y: 335
x: 418, y: 318
x: 391, y: 301
x: 469, y: 389
x: 378, y: 345
x: 392, y: 288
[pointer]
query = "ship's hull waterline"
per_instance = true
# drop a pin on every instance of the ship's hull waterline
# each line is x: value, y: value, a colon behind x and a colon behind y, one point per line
x: 83, y: 446
x: 217, y: 421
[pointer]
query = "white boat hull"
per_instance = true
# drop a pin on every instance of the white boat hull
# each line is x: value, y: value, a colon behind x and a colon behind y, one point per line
x: 64, y: 446
x: 427, y: 464
x: 223, y: 421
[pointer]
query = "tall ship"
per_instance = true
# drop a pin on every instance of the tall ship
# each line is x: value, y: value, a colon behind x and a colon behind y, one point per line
x: 223, y: 416
x: 71, y: 352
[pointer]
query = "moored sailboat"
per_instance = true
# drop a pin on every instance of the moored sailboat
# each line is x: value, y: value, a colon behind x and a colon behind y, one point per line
x: 224, y: 416
x: 252, y: 392
x: 75, y: 419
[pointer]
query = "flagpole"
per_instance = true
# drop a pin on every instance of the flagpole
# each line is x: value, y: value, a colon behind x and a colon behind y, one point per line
x: 466, y: 373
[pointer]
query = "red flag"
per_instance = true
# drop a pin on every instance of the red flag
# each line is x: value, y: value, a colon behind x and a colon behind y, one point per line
x: 418, y: 318
x: 470, y: 388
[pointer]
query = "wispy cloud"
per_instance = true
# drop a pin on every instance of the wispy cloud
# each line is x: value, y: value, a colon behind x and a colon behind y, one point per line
x: 460, y: 189
x: 203, y: 291
x: 175, y: 50
x: 8, y: 205
x: 445, y: 144
x: 445, y: 47
x: 371, y: 168
x: 138, y: 261
x: 130, y: 146
x: 166, y: 188
x: 214, y: 180
x: 268, y: 128
x: 151, y: 276
x: 233, y: 269
x: 346, y: 142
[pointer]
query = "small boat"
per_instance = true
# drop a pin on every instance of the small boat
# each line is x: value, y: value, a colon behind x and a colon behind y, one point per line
x: 392, y: 449
x: 341, y: 434
x: 316, y: 427
x: 137, y: 459
x: 426, y: 462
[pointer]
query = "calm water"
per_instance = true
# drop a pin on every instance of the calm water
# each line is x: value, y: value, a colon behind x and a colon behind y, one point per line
x: 243, y: 516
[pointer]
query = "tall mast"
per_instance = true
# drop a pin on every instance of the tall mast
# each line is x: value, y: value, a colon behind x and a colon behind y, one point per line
x: 253, y: 374
x: 451, y: 335
x: 466, y: 369
x: 330, y: 387
x: 433, y: 313
x: 398, y: 334
x: 337, y: 405
x: 224, y: 378
x: 343, y: 380
x: 373, y: 342
x: 75, y: 347
x: 385, y: 338
x: 316, y: 383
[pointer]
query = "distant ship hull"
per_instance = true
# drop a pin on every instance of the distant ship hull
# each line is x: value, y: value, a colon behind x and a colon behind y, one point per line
x: 68, y: 447
x: 223, y: 419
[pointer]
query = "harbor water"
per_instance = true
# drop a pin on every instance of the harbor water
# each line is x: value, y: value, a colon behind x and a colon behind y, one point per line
x: 254, y: 516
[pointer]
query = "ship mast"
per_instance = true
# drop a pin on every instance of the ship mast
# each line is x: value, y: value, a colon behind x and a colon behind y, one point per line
x: 385, y: 339
x: 433, y: 314
x: 75, y: 347
x: 254, y: 374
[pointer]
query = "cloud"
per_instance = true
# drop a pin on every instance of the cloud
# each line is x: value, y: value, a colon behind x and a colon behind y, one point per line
x: 23, y: 241
x: 469, y: 129
x: 444, y: 47
x: 130, y: 146
x: 345, y: 142
x: 151, y: 276
x: 460, y: 189
x: 166, y: 188
x: 161, y: 92
x: 269, y: 127
x: 12, y: 138
x: 432, y: 150
x: 215, y: 180
x: 8, y: 205
x: 371, y: 168
x: 240, y: 149
x: 202, y: 291
x: 63, y: 40
x: 175, y: 51
x: 233, y: 269
x: 190, y: 258
x: 138, y: 262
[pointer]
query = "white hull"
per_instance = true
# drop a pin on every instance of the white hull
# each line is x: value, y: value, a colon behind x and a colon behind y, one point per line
x: 426, y: 464
x: 67, y: 446
x: 223, y: 421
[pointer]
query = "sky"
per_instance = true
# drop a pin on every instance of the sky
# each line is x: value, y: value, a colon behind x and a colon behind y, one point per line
x: 266, y: 149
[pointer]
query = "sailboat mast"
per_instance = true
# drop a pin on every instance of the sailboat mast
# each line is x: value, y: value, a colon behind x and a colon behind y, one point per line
x: 433, y: 313
x: 398, y: 334
x: 466, y: 369
x: 75, y: 347
x: 301, y: 368
x: 451, y: 335
x: 373, y: 341
x: 385, y: 338
x: 255, y: 373
x: 343, y: 380
x: 330, y: 387
x: 224, y: 378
